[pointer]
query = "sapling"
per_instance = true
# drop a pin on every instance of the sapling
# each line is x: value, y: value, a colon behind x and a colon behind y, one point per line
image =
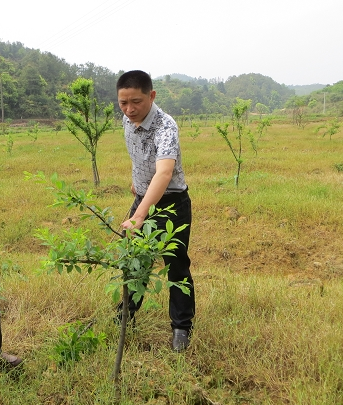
x: 239, y: 117
x: 261, y: 109
x: 261, y: 129
x: 194, y: 134
x: 330, y: 128
x: 9, y: 144
x: 86, y: 119
x: 33, y: 131
x: 131, y: 260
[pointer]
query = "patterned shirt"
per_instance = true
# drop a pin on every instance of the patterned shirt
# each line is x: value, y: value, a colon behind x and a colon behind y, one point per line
x: 157, y: 137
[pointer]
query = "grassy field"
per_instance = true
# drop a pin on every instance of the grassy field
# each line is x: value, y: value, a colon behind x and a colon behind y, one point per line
x: 266, y: 259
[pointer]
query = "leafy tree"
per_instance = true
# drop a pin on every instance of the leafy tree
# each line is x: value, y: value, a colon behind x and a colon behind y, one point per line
x: 298, y: 106
x: 6, y: 69
x: 276, y: 100
x: 84, y: 113
x: 104, y: 82
x: 262, y: 109
x: 331, y: 128
x: 9, y: 144
x: 196, y: 132
x: 33, y: 83
x: 33, y: 130
x: 262, y: 127
x: 258, y: 88
x: 239, y: 111
x: 131, y: 260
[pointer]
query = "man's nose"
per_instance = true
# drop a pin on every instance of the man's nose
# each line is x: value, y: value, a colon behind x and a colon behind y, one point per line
x: 130, y: 107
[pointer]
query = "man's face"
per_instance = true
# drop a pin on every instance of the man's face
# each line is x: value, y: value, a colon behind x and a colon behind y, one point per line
x: 135, y: 104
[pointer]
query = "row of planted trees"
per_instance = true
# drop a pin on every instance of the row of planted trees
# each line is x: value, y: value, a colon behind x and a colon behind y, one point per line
x: 87, y: 120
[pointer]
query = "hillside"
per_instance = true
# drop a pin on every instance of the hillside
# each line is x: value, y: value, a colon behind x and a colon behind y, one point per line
x: 31, y: 80
x: 304, y: 90
x: 178, y: 76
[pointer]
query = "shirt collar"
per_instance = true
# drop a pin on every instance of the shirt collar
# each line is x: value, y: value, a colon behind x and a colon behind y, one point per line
x: 150, y: 117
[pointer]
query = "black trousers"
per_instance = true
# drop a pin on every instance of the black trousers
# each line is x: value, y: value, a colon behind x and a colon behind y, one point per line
x: 181, y: 306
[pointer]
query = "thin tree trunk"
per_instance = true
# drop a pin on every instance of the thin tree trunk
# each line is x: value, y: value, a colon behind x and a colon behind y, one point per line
x: 119, y: 357
x: 96, y: 177
x: 237, y: 175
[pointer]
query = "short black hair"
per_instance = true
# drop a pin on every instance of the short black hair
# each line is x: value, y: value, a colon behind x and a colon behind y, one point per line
x: 136, y: 79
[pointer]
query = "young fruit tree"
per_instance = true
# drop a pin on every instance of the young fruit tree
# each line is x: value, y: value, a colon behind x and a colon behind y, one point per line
x: 132, y: 261
x: 84, y: 113
x: 261, y: 129
x: 330, y: 128
x: 240, y: 110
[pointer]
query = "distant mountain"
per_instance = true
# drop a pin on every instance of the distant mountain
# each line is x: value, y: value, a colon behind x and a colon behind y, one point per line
x: 304, y: 90
x: 179, y: 76
x: 34, y: 78
x: 300, y: 90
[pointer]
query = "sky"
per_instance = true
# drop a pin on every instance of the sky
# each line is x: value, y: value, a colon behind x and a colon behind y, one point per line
x: 295, y: 42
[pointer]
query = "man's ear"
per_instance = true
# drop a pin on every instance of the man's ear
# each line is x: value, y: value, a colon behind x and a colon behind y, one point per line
x: 152, y: 95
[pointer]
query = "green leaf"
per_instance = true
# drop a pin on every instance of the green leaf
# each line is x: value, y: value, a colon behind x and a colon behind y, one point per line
x: 169, y: 226
x: 54, y: 177
x: 151, y: 210
x: 116, y: 295
x: 160, y: 245
x: 181, y: 228
x: 158, y: 286
x: 136, y: 297
x: 185, y: 289
x: 164, y: 271
x: 171, y: 246
x: 136, y: 263
x: 78, y: 268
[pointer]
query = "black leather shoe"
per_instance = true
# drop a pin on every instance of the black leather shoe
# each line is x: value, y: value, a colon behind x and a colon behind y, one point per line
x: 180, y: 340
x: 8, y: 361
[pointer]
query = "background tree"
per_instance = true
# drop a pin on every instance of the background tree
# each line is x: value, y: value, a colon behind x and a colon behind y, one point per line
x: 239, y: 112
x: 84, y: 113
x: 261, y: 109
x: 6, y: 82
x: 298, y: 107
x: 330, y: 128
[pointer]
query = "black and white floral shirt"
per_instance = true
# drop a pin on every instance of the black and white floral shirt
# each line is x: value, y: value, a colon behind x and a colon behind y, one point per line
x: 157, y: 137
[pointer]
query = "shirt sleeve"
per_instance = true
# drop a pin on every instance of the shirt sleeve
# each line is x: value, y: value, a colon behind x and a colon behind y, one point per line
x: 167, y: 143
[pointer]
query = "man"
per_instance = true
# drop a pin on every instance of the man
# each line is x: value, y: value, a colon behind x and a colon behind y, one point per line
x: 152, y: 141
x: 8, y: 361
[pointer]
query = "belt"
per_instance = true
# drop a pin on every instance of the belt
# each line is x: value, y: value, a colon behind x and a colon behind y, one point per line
x: 171, y: 197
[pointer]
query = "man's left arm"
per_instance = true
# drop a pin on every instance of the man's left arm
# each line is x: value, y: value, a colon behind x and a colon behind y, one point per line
x: 156, y: 189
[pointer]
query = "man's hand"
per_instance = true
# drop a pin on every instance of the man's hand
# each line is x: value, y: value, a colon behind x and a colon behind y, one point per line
x: 135, y: 225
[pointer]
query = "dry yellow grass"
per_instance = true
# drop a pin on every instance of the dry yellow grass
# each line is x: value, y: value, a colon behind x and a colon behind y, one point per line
x: 267, y: 263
